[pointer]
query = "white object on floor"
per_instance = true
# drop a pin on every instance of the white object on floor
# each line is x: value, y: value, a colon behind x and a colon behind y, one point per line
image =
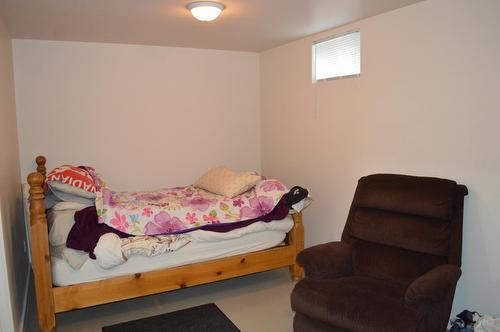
x: 487, y: 323
x: 63, y: 274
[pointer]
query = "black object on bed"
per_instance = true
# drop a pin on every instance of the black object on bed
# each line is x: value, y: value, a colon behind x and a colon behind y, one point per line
x: 204, y: 318
x: 295, y: 195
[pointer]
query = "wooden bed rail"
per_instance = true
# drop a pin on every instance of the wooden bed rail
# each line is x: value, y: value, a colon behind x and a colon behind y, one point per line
x: 40, y: 249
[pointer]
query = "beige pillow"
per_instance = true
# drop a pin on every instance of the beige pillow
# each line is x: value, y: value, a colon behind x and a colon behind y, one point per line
x: 223, y: 181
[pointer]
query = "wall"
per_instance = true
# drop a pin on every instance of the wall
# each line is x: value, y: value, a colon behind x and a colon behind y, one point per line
x: 427, y: 103
x: 144, y: 116
x: 14, y: 266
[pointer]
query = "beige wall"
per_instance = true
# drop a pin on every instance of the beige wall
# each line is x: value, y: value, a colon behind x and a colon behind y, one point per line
x: 144, y: 116
x: 427, y: 103
x: 14, y: 264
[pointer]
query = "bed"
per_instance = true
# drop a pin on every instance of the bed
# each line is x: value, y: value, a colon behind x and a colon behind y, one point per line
x: 76, y: 292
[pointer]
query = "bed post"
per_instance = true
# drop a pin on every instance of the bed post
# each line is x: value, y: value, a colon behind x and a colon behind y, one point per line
x: 40, y: 165
x: 40, y: 249
x: 296, y: 239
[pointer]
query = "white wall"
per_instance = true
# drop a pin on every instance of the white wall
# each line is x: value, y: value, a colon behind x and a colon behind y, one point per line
x: 144, y: 116
x: 427, y: 103
x: 14, y: 266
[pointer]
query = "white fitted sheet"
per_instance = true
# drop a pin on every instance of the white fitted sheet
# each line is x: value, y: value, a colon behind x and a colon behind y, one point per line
x: 194, y: 252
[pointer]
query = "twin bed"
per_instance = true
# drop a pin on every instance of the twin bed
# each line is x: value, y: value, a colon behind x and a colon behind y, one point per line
x: 60, y: 288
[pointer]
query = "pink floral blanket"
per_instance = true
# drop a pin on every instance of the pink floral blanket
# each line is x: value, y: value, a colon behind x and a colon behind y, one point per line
x: 182, y: 209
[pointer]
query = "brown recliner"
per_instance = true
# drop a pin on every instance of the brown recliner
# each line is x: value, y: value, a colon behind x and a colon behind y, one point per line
x: 397, y: 264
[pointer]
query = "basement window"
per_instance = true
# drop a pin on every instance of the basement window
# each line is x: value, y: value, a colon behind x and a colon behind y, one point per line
x: 337, y: 56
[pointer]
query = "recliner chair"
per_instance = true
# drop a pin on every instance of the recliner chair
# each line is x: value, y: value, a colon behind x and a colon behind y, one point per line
x: 396, y: 266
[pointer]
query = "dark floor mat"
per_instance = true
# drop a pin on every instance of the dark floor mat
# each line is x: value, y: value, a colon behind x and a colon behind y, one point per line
x: 204, y: 318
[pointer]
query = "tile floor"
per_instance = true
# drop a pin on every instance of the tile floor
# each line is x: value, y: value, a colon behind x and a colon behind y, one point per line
x: 259, y: 302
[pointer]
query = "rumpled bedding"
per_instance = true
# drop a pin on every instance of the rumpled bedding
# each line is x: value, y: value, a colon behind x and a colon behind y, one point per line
x: 155, y: 222
x: 86, y: 231
x: 284, y: 226
x: 183, y: 209
x: 75, y: 258
x: 111, y: 250
x: 109, y: 246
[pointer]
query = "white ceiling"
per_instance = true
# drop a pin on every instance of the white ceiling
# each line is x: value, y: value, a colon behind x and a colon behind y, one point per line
x: 245, y: 25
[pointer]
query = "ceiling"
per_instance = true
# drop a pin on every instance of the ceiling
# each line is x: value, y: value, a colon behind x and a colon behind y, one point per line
x: 245, y: 25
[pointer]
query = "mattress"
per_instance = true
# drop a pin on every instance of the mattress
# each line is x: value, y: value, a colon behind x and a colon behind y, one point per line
x: 194, y: 252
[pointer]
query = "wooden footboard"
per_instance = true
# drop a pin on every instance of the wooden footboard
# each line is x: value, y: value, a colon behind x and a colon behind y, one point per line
x: 52, y: 299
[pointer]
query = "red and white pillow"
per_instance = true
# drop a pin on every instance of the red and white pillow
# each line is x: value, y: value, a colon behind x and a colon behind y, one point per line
x: 73, y: 176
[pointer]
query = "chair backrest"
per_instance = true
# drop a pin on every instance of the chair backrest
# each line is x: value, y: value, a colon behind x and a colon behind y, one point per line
x: 402, y: 226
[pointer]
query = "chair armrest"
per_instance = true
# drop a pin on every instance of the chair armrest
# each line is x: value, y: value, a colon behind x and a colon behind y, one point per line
x: 433, y: 285
x: 329, y: 260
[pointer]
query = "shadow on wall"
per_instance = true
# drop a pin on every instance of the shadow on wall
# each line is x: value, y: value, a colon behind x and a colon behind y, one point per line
x: 478, y: 262
x: 15, y: 266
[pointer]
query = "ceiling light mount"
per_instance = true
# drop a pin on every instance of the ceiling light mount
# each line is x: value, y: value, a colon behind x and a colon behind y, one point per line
x: 205, y: 11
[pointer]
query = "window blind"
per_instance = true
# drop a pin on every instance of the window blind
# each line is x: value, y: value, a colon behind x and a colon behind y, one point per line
x: 337, y: 57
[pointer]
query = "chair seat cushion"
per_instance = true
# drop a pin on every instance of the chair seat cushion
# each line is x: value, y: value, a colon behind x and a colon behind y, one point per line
x: 355, y: 303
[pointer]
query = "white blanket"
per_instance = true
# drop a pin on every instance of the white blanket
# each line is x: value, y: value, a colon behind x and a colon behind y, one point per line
x: 112, y: 251
x: 284, y: 226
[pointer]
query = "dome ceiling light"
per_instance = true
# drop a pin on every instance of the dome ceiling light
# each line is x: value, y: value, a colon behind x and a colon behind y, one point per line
x: 205, y: 11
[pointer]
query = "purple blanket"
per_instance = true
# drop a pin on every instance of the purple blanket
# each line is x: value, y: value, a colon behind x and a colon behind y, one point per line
x: 86, y: 231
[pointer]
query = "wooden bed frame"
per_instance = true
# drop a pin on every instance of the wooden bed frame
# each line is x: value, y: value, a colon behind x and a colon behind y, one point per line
x: 52, y: 299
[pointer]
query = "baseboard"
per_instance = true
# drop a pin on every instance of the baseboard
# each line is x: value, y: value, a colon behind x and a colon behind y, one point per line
x: 25, y: 300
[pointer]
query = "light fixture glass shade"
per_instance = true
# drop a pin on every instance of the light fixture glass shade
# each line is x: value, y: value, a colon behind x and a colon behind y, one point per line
x: 205, y: 10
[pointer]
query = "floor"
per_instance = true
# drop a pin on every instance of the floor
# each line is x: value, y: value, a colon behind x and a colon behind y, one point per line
x: 259, y: 302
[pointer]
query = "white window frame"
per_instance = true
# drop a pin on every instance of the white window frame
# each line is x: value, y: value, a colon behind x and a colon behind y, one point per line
x: 313, y: 53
